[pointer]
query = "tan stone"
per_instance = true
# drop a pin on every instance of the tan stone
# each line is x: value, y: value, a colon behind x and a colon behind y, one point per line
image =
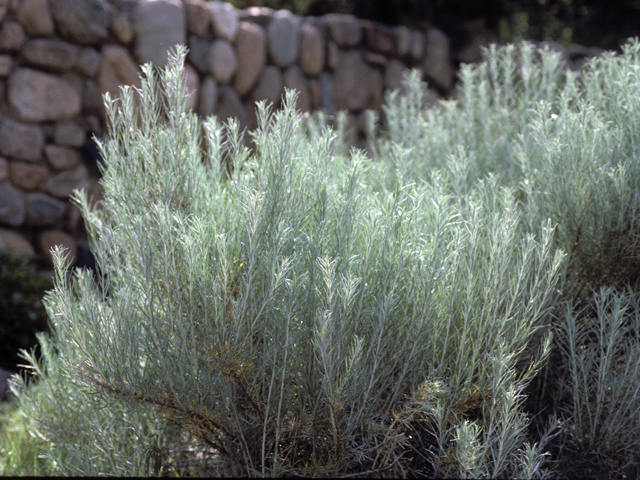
x: 62, y: 158
x: 223, y: 61
x: 437, y: 63
x: 35, y: 96
x: 5, y: 65
x: 26, y: 176
x: 311, y: 50
x: 15, y: 243
x: 122, y: 29
x: 4, y: 169
x: 12, y: 36
x: 35, y: 17
x: 69, y: 133
x: 198, y: 17
x: 62, y: 184
x: 117, y: 69
x: 51, y: 238
x: 315, y: 94
x: 251, y: 49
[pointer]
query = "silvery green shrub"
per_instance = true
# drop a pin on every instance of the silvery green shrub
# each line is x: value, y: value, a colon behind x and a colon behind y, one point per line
x: 281, y: 312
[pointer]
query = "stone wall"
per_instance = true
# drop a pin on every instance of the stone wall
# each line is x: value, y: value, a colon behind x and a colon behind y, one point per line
x: 57, y: 57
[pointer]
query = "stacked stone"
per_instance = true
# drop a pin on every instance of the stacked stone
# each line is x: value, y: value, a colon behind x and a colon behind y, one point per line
x: 57, y: 57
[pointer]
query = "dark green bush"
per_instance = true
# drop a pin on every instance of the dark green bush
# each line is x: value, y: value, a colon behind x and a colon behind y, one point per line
x: 22, y: 313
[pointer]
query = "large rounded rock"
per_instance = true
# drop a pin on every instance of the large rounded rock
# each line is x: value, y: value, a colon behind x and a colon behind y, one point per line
x: 21, y: 141
x: 283, y: 35
x: 208, y: 97
x: 27, y: 176
x: 223, y: 61
x: 393, y: 74
x: 344, y: 29
x: 38, y: 97
x: 49, y: 54
x: 52, y: 238
x: 12, y: 36
x: 15, y: 243
x: 35, y: 17
x: 42, y: 210
x: 437, y: 63
x: 117, y: 68
x: 62, y: 184
x: 230, y: 106
x: 353, y: 82
x: 69, y: 133
x: 294, y: 80
x: 251, y: 49
x: 83, y: 21
x: 270, y: 87
x: 192, y: 85
x: 159, y: 26
x: 311, y: 50
x: 88, y: 62
x: 224, y: 20
x: 62, y: 158
x: 199, y: 51
x: 12, y: 205
x: 197, y: 17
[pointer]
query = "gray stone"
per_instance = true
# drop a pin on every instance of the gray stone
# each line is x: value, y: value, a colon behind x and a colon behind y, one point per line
x: 199, y: 51
x: 376, y: 59
x: 283, y: 35
x: 294, y: 79
x: 42, y: 210
x: 230, y: 106
x: 393, y: 74
x: 333, y: 55
x: 270, y: 87
x: 353, y: 84
x: 224, y: 20
x: 417, y: 45
x: 223, y: 61
x: 251, y: 49
x: 12, y: 205
x: 5, y: 65
x: 192, y: 84
x: 344, y: 29
x: 311, y: 50
x: 379, y: 37
x: 403, y: 40
x: 51, y: 238
x: 437, y: 63
x: 49, y: 54
x: 35, y: 96
x: 35, y: 16
x: 12, y: 36
x: 257, y: 15
x: 20, y: 141
x: 62, y: 158
x: 16, y: 243
x: 159, y: 26
x: 91, y: 98
x: 88, y: 62
x: 327, y: 94
x: 83, y: 21
x: 122, y: 29
x: 198, y: 17
x: 27, y: 176
x: 4, y: 169
x: 314, y: 93
x: 4, y: 6
x: 69, y: 133
x: 208, y: 97
x: 62, y: 184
